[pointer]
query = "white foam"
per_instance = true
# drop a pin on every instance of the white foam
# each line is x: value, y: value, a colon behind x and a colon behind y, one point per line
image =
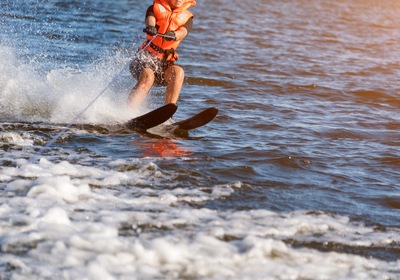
x: 77, y: 230
x: 63, y: 93
x: 56, y: 215
x: 20, y: 139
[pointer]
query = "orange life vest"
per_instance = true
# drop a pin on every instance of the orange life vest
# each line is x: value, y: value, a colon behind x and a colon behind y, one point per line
x: 168, y: 20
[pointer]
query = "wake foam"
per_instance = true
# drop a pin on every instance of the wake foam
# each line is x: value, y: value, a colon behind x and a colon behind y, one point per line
x: 60, y: 94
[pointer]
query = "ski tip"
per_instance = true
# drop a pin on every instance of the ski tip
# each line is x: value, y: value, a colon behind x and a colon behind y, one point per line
x: 198, y: 120
x: 152, y: 118
x: 172, y: 107
x: 213, y: 111
x: 210, y: 114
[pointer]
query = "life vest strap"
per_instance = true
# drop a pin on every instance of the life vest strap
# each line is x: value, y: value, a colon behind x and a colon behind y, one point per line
x: 166, y: 53
x: 162, y: 54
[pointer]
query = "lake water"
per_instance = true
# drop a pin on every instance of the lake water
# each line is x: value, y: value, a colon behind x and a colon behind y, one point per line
x: 298, y: 177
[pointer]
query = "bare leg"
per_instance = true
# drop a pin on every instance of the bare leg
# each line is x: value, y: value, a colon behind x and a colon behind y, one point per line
x: 142, y: 87
x: 174, y: 77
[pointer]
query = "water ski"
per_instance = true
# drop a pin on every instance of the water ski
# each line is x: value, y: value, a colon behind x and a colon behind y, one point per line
x: 195, y: 121
x: 152, y: 118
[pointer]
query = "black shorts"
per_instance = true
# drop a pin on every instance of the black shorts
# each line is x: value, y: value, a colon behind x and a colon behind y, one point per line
x: 146, y: 60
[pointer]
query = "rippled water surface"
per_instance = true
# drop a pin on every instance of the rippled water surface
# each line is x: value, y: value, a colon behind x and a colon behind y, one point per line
x: 297, y: 177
